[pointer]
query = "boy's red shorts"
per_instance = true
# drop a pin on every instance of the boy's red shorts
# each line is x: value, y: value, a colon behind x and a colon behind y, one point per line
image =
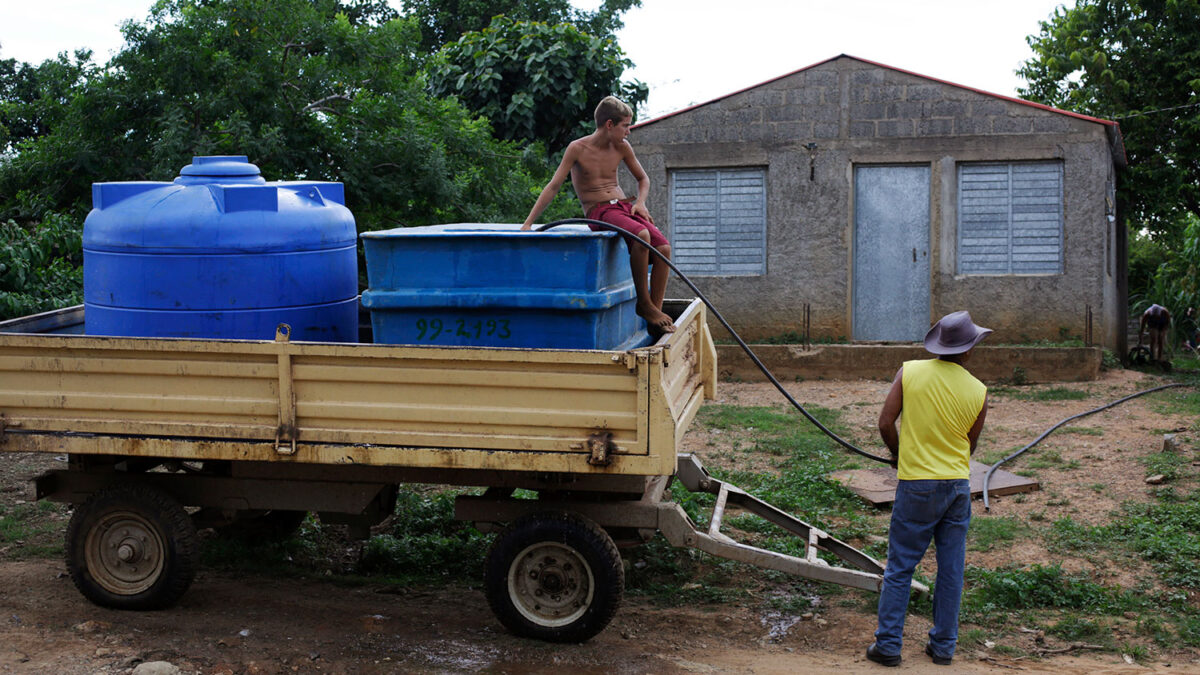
x: 621, y: 214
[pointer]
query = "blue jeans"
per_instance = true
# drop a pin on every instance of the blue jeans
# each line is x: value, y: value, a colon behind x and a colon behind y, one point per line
x: 924, y: 510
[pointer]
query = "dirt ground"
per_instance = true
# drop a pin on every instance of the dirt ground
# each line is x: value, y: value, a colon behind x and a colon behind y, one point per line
x: 230, y: 624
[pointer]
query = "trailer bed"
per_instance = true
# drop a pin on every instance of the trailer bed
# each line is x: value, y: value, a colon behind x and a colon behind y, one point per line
x: 524, y: 410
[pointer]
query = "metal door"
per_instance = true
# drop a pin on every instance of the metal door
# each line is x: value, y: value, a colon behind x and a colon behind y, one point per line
x: 891, y: 252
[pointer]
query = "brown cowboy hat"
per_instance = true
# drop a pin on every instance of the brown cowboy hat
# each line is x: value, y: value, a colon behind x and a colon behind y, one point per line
x: 954, y: 333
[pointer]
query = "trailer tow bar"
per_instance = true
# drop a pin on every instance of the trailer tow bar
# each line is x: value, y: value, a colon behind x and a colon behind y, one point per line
x: 680, y: 531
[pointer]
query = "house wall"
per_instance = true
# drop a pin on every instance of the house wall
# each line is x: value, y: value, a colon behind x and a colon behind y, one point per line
x: 858, y: 113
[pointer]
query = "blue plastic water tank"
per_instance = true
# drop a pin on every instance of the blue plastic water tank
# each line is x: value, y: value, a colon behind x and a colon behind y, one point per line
x: 220, y: 253
x: 492, y: 285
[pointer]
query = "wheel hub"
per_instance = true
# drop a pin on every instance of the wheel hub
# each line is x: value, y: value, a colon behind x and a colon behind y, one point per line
x: 550, y: 584
x: 124, y: 553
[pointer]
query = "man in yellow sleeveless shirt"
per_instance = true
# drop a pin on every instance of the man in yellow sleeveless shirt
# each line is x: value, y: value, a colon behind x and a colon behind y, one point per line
x: 943, y: 407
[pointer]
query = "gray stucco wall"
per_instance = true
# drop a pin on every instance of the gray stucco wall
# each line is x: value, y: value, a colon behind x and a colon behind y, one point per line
x: 859, y: 113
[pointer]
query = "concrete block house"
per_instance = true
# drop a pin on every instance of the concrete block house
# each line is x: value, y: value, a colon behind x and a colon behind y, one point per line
x: 883, y: 199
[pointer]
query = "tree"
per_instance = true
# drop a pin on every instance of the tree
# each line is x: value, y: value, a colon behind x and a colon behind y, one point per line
x: 312, y: 89
x: 444, y: 21
x: 534, y: 81
x: 307, y: 89
x: 1136, y: 61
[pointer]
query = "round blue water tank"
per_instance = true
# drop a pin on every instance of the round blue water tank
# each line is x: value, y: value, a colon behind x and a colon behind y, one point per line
x: 220, y: 253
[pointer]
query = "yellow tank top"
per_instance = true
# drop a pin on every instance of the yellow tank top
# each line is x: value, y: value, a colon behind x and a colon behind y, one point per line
x: 941, y: 403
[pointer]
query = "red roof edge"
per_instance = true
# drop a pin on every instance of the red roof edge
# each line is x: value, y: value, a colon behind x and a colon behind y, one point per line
x: 1086, y: 118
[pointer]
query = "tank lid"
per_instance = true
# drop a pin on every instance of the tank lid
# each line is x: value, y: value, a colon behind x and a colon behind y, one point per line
x: 220, y: 165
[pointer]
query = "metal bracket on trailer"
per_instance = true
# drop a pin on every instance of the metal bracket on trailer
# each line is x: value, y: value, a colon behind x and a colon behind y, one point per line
x: 679, y: 530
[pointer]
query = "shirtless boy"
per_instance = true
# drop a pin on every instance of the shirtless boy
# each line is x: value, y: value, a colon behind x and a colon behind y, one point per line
x: 1158, y: 319
x: 592, y: 163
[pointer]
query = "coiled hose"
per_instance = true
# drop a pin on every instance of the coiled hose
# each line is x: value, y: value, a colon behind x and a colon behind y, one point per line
x: 987, y: 477
x: 746, y: 348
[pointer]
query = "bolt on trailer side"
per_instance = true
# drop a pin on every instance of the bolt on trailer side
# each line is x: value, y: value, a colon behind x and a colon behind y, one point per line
x: 255, y: 433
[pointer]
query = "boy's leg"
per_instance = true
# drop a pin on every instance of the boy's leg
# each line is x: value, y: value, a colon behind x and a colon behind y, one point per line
x: 659, y: 275
x: 639, y: 263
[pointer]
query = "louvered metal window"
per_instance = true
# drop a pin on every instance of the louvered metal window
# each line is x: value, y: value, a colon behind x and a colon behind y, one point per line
x: 719, y: 221
x: 1010, y: 218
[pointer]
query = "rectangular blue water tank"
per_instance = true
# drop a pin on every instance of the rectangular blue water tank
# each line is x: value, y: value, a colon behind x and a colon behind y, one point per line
x: 490, y: 285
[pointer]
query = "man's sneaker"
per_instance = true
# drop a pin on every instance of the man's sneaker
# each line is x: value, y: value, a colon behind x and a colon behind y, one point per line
x: 882, y: 659
x: 939, y: 660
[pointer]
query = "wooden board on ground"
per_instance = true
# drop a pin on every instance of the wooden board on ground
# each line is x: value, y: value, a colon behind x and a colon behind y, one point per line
x: 877, y: 485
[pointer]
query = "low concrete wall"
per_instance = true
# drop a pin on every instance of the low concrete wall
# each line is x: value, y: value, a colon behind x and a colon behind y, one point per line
x: 880, y: 362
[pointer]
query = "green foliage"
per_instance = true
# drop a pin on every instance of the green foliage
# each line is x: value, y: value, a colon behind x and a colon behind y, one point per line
x: 40, y: 266
x: 1136, y: 61
x: 1166, y: 533
x: 1040, y: 587
x: 1075, y: 628
x: 444, y: 21
x: 1049, y: 394
x: 985, y: 534
x: 320, y: 90
x: 31, y: 530
x: 427, y: 543
x: 534, y: 81
x: 1168, y: 464
x: 1176, y: 282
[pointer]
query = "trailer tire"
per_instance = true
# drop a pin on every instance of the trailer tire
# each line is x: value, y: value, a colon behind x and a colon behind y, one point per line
x: 554, y: 576
x: 131, y: 547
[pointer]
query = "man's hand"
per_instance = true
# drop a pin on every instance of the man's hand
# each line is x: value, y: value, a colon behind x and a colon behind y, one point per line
x: 526, y: 227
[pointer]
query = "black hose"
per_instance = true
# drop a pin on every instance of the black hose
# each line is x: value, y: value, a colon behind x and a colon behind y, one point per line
x: 987, y: 477
x: 746, y: 348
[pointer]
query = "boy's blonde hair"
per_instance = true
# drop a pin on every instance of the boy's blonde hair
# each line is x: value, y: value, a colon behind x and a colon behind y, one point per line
x: 612, y: 108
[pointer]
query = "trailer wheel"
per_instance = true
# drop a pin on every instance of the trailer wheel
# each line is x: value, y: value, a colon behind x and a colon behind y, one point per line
x: 131, y: 548
x: 554, y: 576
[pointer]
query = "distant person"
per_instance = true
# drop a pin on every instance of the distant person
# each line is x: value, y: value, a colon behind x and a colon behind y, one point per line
x: 1157, y: 319
x: 592, y: 163
x: 943, y: 408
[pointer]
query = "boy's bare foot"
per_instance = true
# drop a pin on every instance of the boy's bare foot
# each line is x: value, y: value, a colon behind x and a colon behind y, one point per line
x: 656, y: 320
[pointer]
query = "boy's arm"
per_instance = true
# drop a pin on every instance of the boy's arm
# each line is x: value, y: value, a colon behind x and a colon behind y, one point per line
x: 643, y: 181
x: 551, y: 190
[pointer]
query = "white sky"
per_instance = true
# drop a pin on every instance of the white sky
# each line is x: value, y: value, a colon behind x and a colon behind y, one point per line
x: 687, y: 51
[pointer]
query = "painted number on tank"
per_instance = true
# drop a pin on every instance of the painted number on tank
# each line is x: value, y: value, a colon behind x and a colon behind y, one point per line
x: 433, y: 329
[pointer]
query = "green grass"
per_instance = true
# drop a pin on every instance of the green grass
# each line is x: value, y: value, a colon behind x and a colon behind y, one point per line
x: 1171, y: 465
x: 986, y: 533
x: 1051, y: 394
x: 1047, y: 458
x: 1082, y: 431
x: 33, y: 530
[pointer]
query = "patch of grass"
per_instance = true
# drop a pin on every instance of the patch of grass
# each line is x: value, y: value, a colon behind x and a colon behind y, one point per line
x: 426, y: 543
x: 1180, y: 401
x: 1082, y: 431
x: 1165, y: 534
x: 32, y: 530
x: 1042, y: 587
x: 1170, y: 465
x: 1048, y: 458
x: 1050, y: 394
x: 1075, y: 628
x: 986, y: 534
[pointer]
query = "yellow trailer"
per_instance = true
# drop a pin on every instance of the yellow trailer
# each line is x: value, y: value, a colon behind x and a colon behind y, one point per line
x: 167, y: 435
